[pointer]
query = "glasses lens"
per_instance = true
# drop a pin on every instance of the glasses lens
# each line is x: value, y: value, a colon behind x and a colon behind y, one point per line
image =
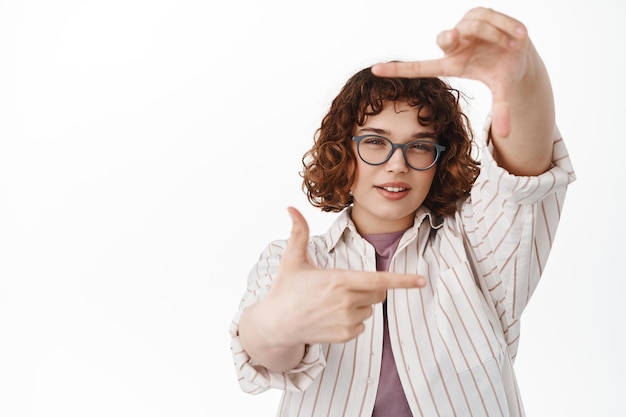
x: 421, y: 154
x: 374, y: 149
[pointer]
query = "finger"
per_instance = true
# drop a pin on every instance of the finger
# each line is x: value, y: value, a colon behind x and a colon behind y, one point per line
x: 297, y: 247
x: 377, y: 281
x: 448, y: 40
x: 503, y: 22
x: 363, y: 313
x: 369, y: 297
x: 414, y: 69
x: 493, y: 27
x: 350, y: 333
x: 473, y: 30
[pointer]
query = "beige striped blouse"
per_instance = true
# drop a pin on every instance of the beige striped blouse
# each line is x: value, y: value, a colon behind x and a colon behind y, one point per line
x: 454, y: 340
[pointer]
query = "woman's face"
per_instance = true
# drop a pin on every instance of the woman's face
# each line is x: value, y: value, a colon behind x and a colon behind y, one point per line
x: 386, y: 196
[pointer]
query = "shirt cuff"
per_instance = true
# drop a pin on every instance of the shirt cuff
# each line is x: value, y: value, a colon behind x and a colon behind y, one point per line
x: 526, y: 189
x: 254, y: 378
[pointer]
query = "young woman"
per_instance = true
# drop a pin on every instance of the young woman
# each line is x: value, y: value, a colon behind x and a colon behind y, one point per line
x: 410, y: 304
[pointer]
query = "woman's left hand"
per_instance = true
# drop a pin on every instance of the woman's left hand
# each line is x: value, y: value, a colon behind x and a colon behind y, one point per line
x: 485, y: 45
x: 495, y: 49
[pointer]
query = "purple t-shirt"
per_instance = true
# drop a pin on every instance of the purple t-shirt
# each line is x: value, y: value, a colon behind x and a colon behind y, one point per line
x: 390, y: 398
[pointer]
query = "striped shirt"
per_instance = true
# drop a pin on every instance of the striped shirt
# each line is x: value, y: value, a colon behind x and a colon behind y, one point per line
x: 455, y: 340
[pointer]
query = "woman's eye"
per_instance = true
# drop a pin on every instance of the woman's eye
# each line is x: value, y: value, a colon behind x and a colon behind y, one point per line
x: 421, y: 147
x: 374, y: 141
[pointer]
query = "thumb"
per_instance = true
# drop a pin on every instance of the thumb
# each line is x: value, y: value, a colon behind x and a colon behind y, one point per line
x: 297, y: 247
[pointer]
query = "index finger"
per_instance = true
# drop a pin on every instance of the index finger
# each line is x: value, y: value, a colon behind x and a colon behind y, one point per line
x: 414, y: 69
x: 377, y: 281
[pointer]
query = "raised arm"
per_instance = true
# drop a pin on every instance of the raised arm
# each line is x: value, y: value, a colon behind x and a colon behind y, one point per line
x: 495, y: 49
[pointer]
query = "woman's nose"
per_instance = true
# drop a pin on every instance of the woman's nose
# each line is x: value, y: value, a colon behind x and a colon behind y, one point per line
x: 396, y: 162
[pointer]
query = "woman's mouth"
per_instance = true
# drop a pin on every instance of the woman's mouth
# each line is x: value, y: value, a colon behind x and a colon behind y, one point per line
x: 394, y: 189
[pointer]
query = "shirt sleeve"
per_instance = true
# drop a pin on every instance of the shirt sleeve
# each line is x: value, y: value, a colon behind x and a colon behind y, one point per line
x: 254, y: 378
x: 510, y: 224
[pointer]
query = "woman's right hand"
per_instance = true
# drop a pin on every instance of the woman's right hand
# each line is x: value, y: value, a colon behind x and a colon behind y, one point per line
x: 308, y: 305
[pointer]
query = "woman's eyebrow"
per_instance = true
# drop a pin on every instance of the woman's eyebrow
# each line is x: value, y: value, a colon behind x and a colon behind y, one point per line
x: 422, y: 135
x: 375, y: 130
x: 383, y: 132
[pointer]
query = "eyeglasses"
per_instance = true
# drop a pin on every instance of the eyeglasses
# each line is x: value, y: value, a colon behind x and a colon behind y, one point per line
x: 418, y: 154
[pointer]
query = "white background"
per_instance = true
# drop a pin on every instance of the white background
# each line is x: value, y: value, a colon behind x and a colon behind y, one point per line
x: 148, y: 150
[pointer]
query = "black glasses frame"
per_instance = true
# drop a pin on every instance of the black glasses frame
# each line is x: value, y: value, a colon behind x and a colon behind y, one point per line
x: 439, y: 150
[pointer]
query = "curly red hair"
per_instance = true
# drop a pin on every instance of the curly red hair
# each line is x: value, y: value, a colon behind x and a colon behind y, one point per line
x: 330, y: 165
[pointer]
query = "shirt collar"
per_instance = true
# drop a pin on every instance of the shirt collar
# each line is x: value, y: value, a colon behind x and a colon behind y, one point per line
x: 344, y: 225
